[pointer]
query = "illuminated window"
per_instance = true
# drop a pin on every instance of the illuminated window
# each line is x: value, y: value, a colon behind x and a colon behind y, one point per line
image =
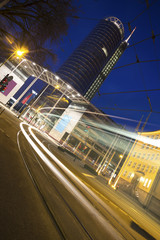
x: 139, y: 154
x: 134, y: 164
x: 148, y: 155
x: 138, y: 166
x: 147, y: 168
x: 124, y: 173
x: 145, y: 182
x: 129, y: 174
x: 151, y: 169
x: 149, y: 183
x: 141, y: 179
x: 134, y: 154
x: 153, y: 155
x: 157, y: 157
x: 142, y: 168
x: 129, y: 164
x: 143, y: 156
x: 154, y: 170
x: 143, y: 146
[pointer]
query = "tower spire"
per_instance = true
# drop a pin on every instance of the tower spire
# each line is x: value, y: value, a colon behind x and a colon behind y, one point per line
x: 130, y: 35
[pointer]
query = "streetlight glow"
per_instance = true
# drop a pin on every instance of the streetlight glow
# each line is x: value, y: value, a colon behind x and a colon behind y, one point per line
x: 20, y: 52
x: 57, y: 86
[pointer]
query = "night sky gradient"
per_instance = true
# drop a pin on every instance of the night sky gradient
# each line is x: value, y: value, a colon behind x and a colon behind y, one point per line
x: 139, y: 66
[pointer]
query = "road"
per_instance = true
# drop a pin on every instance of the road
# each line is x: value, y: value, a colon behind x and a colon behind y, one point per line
x: 46, y: 195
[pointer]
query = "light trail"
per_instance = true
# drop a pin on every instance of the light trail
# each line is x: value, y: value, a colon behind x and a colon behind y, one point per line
x: 113, y: 130
x: 90, y: 112
x: 70, y: 187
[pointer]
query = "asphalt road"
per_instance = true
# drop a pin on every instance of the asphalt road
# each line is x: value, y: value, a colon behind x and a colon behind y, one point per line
x: 38, y: 202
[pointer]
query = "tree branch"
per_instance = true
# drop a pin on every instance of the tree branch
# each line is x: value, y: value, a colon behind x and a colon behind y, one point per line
x: 2, y: 4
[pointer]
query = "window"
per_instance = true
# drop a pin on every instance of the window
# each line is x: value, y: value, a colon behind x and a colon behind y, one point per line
x: 157, y: 157
x: 153, y: 155
x: 143, y: 146
x: 145, y: 183
x: 138, y: 166
x: 134, y: 164
x: 124, y: 173
x: 139, y: 154
x: 147, y: 168
x: 134, y: 154
x: 151, y: 169
x: 143, y: 156
x: 129, y: 164
x: 129, y: 174
x: 98, y: 148
x: 154, y: 170
x: 148, y: 155
x: 149, y: 183
x: 142, y: 168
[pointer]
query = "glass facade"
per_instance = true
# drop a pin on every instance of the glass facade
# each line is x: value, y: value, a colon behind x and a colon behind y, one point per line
x: 88, y: 60
x: 105, y: 71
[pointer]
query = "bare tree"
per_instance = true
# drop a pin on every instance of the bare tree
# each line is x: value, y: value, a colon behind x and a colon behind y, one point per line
x: 31, y: 23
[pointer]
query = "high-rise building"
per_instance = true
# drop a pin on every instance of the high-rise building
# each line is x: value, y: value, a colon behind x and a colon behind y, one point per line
x: 91, y: 62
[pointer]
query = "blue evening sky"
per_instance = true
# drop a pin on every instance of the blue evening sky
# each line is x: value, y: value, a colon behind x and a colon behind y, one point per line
x: 139, y: 76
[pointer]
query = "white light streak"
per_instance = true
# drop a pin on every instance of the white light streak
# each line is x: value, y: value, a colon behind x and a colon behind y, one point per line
x: 70, y: 187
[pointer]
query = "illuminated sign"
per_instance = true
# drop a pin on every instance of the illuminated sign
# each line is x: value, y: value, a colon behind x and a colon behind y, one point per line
x: 63, y: 123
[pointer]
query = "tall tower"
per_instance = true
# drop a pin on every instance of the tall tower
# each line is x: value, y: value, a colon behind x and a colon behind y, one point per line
x: 87, y: 64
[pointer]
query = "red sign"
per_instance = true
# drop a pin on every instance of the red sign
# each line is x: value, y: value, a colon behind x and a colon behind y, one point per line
x: 26, y: 98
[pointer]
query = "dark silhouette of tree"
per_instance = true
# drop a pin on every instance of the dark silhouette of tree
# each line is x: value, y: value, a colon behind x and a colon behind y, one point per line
x: 30, y: 23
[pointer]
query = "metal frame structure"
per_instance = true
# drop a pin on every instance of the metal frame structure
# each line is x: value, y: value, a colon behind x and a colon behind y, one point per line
x: 39, y: 72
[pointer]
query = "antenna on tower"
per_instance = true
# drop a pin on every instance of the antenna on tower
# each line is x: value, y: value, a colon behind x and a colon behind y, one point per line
x: 130, y: 35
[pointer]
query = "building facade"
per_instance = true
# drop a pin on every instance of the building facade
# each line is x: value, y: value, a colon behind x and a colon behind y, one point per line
x: 86, y: 63
x: 140, y: 174
x: 19, y: 78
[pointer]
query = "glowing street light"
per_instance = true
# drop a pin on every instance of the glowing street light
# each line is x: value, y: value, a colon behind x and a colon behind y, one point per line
x: 57, y: 87
x: 18, y: 52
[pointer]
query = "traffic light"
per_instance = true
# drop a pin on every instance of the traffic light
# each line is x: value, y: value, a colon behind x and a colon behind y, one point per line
x: 4, y: 82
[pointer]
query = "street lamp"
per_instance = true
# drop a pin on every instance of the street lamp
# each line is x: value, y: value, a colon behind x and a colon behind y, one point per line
x: 18, y: 52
